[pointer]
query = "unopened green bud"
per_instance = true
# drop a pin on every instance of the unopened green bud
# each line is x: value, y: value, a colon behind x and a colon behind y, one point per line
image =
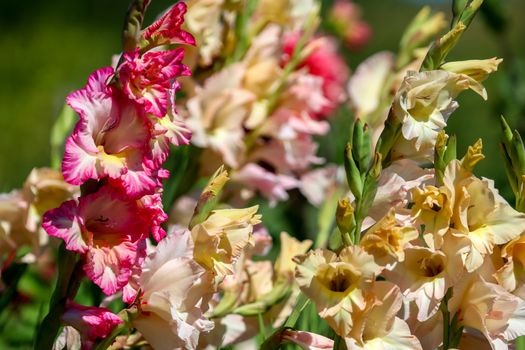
x: 353, y: 175
x: 361, y: 146
x: 345, y: 216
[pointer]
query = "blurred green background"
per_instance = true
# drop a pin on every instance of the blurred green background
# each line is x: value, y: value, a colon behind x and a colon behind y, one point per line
x: 50, y: 47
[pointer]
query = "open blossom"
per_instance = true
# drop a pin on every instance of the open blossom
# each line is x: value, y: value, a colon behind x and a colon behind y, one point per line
x: 490, y: 309
x: 148, y: 79
x: 110, y: 138
x: 92, y: 322
x: 337, y: 283
x: 386, y: 240
x: 175, y: 291
x: 222, y: 237
x: 377, y: 327
x: 425, y: 275
x: 107, y: 227
x: 489, y: 222
x: 425, y: 100
x: 21, y: 210
x: 512, y: 275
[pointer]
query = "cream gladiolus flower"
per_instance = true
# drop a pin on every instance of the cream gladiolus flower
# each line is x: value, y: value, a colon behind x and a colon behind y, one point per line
x: 387, y: 239
x: 175, y: 294
x: 337, y: 283
x: 490, y: 309
x: 481, y: 215
x: 425, y: 100
x: 425, y: 275
x: 222, y: 237
x: 433, y: 208
x: 377, y: 327
x: 512, y: 275
x: 203, y: 20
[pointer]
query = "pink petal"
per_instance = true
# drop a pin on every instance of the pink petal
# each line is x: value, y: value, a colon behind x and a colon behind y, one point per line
x: 62, y: 222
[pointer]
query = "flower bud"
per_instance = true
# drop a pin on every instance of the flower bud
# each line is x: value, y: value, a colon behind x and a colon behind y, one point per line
x: 473, y: 156
x: 344, y: 216
x: 353, y: 176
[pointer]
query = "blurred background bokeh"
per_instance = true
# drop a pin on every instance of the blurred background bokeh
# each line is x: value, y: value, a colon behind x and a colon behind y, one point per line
x: 49, y: 47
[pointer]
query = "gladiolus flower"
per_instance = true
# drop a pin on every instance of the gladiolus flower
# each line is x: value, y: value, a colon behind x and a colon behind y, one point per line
x: 167, y: 29
x: 222, y: 237
x: 110, y: 138
x: 425, y: 275
x: 512, y: 275
x: 92, y: 322
x: 425, y: 100
x: 109, y: 228
x: 377, y: 327
x: 322, y: 61
x: 148, y: 79
x: 490, y: 221
x: 490, y: 309
x: 386, y: 240
x: 337, y: 283
x: 175, y: 291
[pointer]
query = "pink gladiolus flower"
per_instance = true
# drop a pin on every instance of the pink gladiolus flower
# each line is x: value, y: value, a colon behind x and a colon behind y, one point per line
x: 109, y: 229
x: 110, y: 138
x: 92, y: 322
x: 270, y: 185
x: 148, y: 79
x: 167, y: 29
x: 323, y: 61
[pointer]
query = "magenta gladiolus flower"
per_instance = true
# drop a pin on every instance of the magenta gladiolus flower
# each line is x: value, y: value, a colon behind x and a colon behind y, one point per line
x: 109, y: 229
x: 92, y: 322
x: 148, y: 79
x: 167, y: 29
x: 110, y: 139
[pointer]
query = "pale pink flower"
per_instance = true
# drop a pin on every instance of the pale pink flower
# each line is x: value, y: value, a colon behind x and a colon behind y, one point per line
x: 272, y: 186
x: 167, y: 29
x: 109, y: 228
x: 490, y: 309
x: 322, y: 61
x: 92, y: 322
x: 288, y: 155
x: 287, y: 123
x: 147, y: 79
x: 175, y: 292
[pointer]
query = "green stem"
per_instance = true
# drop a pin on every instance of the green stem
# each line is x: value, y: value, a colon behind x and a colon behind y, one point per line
x: 69, y: 277
x: 273, y: 342
x: 446, y: 320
